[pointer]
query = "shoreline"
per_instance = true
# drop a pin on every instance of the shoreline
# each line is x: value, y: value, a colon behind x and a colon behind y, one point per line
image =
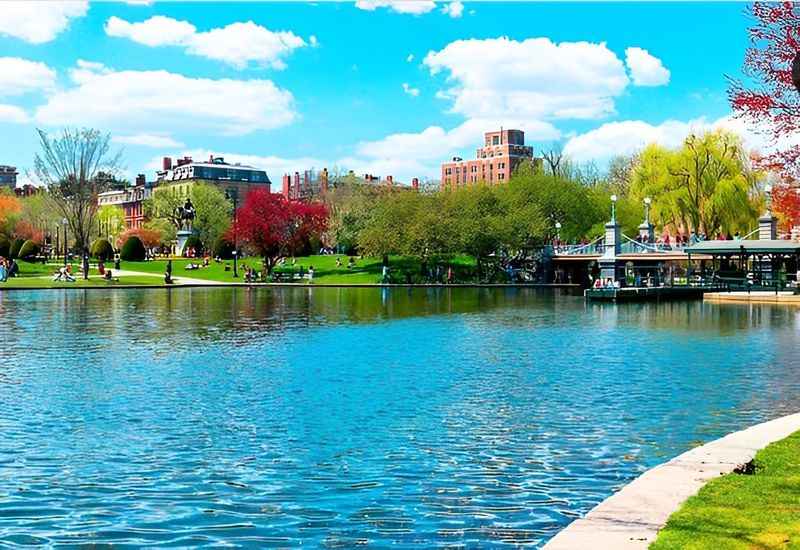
x: 213, y: 284
x: 632, y: 517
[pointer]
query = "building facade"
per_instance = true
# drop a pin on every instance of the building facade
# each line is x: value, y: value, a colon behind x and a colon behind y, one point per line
x: 8, y: 177
x: 130, y: 199
x: 501, y: 154
x: 313, y: 185
x: 185, y: 172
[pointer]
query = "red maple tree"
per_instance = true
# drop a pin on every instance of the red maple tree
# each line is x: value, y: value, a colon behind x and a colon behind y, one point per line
x: 769, y: 98
x: 273, y: 227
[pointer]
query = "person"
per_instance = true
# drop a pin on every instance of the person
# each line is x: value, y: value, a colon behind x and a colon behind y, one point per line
x: 117, y: 261
x: 64, y: 274
x: 108, y: 276
x: 449, y: 275
x: 101, y: 268
x: 338, y: 262
x: 737, y: 237
x: 168, y: 273
x: 385, y: 273
x: 351, y: 263
x: 598, y: 283
x: 3, y: 271
x: 310, y: 274
x: 13, y: 268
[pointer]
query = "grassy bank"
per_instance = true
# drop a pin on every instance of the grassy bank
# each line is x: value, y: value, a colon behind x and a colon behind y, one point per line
x: 741, y: 511
x: 38, y: 275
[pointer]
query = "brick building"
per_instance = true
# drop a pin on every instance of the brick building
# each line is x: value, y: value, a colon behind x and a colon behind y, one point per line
x: 130, y: 198
x: 501, y: 154
x: 185, y: 172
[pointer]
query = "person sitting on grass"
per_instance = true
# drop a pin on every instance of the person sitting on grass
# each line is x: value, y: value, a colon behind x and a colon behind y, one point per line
x: 64, y: 274
x: 107, y: 275
x: 338, y: 262
x: 351, y: 263
x: 3, y: 271
x: 13, y: 268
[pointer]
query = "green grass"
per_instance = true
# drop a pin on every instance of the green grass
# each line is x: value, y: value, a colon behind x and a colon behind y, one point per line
x: 365, y: 271
x: 37, y: 275
x: 743, y: 512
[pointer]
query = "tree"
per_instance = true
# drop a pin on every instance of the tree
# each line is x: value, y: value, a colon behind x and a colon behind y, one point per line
x: 273, y: 227
x: 769, y: 99
x: 162, y: 205
x: 148, y: 237
x: 9, y: 209
x: 111, y: 220
x: 706, y: 185
x: 786, y: 202
x: 213, y: 217
x: 76, y: 166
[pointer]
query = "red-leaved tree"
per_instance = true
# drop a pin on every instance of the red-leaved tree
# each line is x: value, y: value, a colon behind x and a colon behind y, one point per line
x: 769, y: 99
x: 274, y: 228
x: 150, y: 238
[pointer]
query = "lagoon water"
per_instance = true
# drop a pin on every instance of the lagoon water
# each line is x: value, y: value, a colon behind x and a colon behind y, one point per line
x: 343, y: 417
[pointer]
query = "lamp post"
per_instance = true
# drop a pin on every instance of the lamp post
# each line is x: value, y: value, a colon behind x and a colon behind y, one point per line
x: 647, y: 202
x: 64, y: 223
x: 232, y: 195
x: 57, y: 247
x: 613, y: 208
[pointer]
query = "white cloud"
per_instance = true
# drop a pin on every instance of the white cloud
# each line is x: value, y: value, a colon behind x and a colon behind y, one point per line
x: 413, y: 7
x: 236, y: 44
x: 413, y: 92
x: 19, y: 76
x: 533, y: 79
x: 410, y: 58
x: 646, y: 69
x: 139, y: 101
x: 454, y: 9
x: 148, y: 140
x: 37, y: 21
x: 13, y: 114
x: 629, y: 136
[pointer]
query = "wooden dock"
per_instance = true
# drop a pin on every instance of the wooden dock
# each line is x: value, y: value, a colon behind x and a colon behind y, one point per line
x: 648, y: 294
x: 756, y: 297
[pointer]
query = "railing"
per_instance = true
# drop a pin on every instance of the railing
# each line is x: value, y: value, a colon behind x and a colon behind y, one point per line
x: 597, y: 246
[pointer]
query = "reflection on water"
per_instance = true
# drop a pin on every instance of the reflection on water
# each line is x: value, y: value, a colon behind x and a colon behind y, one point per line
x: 335, y: 417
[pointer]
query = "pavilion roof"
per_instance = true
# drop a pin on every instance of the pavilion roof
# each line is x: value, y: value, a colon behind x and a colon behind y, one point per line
x: 732, y: 248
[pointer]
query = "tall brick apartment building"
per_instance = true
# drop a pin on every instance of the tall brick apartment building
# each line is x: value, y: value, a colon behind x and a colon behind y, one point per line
x: 501, y: 154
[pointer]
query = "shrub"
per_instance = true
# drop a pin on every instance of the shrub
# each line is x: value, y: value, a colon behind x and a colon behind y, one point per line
x: 28, y: 251
x: 13, y: 251
x: 102, y: 250
x: 223, y: 248
x: 4, y: 246
x: 133, y: 250
x: 193, y: 242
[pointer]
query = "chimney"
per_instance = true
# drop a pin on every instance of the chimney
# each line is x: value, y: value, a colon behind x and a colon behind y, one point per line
x: 415, y: 184
x: 323, y: 180
x: 287, y: 183
x: 140, y: 179
x: 166, y: 164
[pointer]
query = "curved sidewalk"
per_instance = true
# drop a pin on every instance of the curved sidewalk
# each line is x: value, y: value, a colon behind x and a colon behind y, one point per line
x: 631, y: 518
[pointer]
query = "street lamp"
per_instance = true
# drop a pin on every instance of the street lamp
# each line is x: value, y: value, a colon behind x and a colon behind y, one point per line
x: 613, y: 208
x: 57, y: 247
x: 647, y: 202
x: 232, y: 195
x: 64, y: 223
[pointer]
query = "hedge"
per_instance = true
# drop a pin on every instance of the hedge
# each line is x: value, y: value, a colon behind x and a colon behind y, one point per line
x: 29, y: 250
x: 13, y: 252
x: 133, y: 250
x: 102, y: 250
x: 4, y: 246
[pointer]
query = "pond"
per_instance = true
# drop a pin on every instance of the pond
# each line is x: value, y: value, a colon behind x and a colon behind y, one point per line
x: 336, y: 417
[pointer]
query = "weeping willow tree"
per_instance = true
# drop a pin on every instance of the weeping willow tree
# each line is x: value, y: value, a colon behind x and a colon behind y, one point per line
x: 76, y: 166
x: 706, y: 185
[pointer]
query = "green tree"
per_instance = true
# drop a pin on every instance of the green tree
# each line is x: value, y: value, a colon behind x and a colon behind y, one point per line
x: 214, y: 213
x: 111, y: 220
x: 706, y: 185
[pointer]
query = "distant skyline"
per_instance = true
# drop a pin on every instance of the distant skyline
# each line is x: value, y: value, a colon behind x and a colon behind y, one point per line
x: 378, y: 86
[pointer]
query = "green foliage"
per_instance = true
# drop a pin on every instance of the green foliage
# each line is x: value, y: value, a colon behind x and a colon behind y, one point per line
x: 223, y: 249
x: 214, y: 213
x: 29, y: 250
x: 194, y: 242
x: 102, y: 250
x: 133, y: 250
x: 112, y: 220
x: 5, y: 245
x: 705, y: 185
x: 163, y: 227
x: 15, y: 247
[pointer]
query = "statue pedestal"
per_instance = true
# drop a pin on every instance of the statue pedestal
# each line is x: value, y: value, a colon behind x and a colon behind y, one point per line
x: 182, y: 236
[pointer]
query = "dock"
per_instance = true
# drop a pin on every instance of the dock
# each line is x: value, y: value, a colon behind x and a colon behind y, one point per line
x: 648, y: 294
x: 756, y: 297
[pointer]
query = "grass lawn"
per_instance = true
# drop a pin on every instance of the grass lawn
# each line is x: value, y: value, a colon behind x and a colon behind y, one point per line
x: 739, y: 511
x: 32, y: 275
x: 366, y: 270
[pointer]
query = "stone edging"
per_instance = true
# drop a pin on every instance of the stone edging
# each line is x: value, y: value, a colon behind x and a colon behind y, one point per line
x: 632, y: 517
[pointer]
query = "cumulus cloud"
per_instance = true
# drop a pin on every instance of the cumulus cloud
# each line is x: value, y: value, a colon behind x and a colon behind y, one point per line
x: 454, y: 9
x: 20, y: 76
x: 629, y: 136
x: 534, y: 78
x: 37, y: 21
x: 148, y: 140
x: 413, y: 92
x: 236, y: 44
x: 13, y: 114
x: 138, y: 101
x: 645, y: 69
x: 410, y: 58
x: 413, y: 7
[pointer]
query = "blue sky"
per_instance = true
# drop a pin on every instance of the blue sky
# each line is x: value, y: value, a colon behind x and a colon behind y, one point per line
x: 375, y: 86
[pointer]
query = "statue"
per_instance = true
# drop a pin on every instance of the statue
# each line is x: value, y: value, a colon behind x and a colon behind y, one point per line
x: 185, y: 215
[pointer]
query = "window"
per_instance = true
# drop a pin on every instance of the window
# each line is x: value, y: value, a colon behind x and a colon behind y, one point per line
x: 495, y: 140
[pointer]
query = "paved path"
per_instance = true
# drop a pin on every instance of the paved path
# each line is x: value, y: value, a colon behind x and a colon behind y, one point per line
x: 631, y: 518
x: 756, y: 297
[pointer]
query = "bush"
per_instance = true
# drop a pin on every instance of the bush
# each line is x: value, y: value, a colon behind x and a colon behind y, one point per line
x: 223, y: 248
x: 193, y: 242
x: 13, y: 251
x: 102, y: 250
x: 133, y: 250
x: 4, y: 246
x: 28, y: 251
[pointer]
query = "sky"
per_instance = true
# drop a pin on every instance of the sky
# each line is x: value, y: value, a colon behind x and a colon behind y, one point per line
x: 376, y: 86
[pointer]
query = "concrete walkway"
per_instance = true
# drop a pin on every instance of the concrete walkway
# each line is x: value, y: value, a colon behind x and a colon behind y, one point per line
x: 631, y: 518
x: 756, y: 297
